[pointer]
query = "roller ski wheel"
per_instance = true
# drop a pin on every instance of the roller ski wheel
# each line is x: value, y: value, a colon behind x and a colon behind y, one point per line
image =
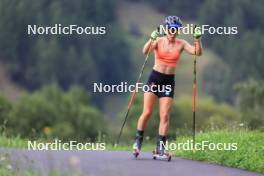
x: 136, y: 153
x: 165, y: 156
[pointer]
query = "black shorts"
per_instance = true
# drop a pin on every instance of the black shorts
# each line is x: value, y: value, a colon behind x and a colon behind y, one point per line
x: 162, y: 84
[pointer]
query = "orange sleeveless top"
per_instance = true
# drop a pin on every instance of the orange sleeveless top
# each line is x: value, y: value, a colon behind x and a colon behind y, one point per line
x: 165, y: 57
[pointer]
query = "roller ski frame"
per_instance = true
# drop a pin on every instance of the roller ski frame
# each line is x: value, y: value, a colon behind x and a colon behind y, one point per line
x: 137, y: 147
x: 136, y: 152
x: 165, y: 156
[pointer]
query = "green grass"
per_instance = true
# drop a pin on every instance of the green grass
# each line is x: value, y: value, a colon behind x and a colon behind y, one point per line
x: 249, y: 154
x: 9, y: 172
x: 14, y: 142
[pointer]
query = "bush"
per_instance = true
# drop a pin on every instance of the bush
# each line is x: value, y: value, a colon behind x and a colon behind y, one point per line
x: 250, y: 96
x: 51, y: 112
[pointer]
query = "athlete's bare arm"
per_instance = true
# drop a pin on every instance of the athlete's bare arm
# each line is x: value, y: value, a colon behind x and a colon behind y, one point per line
x: 191, y: 48
x: 149, y: 46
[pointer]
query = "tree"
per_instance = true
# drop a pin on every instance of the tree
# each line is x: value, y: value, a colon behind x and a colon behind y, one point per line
x: 38, y: 60
x: 243, y: 52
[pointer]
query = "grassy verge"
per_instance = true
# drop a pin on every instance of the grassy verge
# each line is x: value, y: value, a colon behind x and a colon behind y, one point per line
x: 14, y: 142
x: 249, y: 154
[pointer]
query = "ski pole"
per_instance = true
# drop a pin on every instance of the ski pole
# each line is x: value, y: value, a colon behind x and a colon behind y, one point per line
x: 133, y: 95
x: 194, y: 92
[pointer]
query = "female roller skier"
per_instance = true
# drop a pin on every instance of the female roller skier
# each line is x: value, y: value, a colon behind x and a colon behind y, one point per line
x: 167, y: 50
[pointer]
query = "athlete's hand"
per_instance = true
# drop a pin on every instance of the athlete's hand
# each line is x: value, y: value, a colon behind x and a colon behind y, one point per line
x: 197, y: 33
x: 154, y: 35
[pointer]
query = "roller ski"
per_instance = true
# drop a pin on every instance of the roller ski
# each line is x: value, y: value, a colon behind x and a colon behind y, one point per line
x: 164, y: 156
x: 137, y: 146
x: 161, y: 154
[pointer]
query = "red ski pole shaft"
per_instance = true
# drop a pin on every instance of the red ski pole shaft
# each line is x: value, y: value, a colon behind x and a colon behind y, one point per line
x: 133, y: 95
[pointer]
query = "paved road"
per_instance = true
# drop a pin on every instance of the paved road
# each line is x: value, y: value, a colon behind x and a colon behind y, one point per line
x: 113, y: 163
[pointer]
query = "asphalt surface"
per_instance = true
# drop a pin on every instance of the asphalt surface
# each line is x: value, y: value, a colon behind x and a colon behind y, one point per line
x: 111, y: 163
